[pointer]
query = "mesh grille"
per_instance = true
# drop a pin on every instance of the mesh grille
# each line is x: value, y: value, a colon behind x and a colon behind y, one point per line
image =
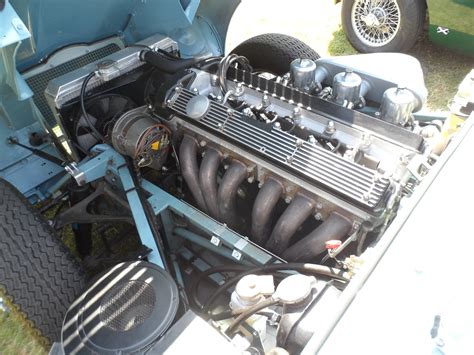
x: 127, y: 305
x: 39, y: 81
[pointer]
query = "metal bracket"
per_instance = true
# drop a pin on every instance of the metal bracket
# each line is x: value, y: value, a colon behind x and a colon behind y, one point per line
x: 78, y: 175
x: 79, y: 212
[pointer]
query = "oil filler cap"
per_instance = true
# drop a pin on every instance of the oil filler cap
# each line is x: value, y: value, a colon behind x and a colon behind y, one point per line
x: 127, y: 309
x: 198, y: 107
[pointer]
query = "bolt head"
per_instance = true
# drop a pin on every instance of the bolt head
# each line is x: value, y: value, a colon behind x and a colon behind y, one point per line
x: 318, y: 216
x: 330, y: 128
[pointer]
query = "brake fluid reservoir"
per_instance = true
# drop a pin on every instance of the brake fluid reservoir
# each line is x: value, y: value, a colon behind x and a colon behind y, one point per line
x: 250, y: 290
x: 397, y: 106
x: 346, y: 88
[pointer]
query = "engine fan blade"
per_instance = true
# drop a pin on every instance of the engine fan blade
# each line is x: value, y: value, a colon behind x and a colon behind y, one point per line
x: 102, y: 112
x: 87, y: 141
x: 84, y: 136
x: 103, y: 106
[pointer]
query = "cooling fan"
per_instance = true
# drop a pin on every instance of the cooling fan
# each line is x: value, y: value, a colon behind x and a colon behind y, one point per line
x: 103, y: 111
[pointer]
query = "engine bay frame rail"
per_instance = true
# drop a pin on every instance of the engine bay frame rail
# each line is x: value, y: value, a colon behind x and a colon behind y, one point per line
x: 109, y: 163
x: 161, y: 201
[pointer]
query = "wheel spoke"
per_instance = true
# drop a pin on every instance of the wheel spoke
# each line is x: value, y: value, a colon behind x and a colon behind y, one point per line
x: 376, y: 21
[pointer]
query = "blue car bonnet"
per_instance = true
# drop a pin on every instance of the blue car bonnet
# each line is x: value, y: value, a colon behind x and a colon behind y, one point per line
x: 54, y: 24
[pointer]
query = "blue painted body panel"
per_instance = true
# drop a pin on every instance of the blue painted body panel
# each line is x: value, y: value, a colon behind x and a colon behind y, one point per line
x: 46, y: 26
x: 58, y: 23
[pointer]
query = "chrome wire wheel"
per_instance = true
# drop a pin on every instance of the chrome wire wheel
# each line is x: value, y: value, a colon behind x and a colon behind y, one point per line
x: 375, y: 22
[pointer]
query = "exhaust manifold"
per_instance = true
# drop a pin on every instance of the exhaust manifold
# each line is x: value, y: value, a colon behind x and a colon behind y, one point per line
x: 220, y: 202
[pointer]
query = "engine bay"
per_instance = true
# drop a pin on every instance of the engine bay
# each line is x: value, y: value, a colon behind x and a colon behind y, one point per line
x: 256, y: 196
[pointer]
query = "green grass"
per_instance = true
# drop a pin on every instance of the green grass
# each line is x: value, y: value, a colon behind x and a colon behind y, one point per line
x: 339, y: 45
x: 16, y: 335
x: 444, y: 70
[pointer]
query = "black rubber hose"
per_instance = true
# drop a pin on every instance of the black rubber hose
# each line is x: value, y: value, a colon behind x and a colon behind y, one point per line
x: 295, y: 214
x: 308, y: 248
x: 208, y: 180
x: 312, y: 269
x: 94, y: 130
x: 249, y: 312
x: 234, y: 176
x: 189, y: 169
x: 266, y: 200
x: 232, y: 313
x: 210, y: 271
x: 166, y: 63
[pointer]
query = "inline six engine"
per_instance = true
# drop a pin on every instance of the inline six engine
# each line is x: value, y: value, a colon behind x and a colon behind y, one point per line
x: 337, y: 145
x: 309, y: 167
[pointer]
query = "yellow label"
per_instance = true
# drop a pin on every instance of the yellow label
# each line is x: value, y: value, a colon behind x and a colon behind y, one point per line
x: 155, y: 145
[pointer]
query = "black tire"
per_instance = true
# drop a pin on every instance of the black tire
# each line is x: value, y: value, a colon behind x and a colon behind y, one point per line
x: 273, y: 52
x: 412, y: 18
x: 39, y: 275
